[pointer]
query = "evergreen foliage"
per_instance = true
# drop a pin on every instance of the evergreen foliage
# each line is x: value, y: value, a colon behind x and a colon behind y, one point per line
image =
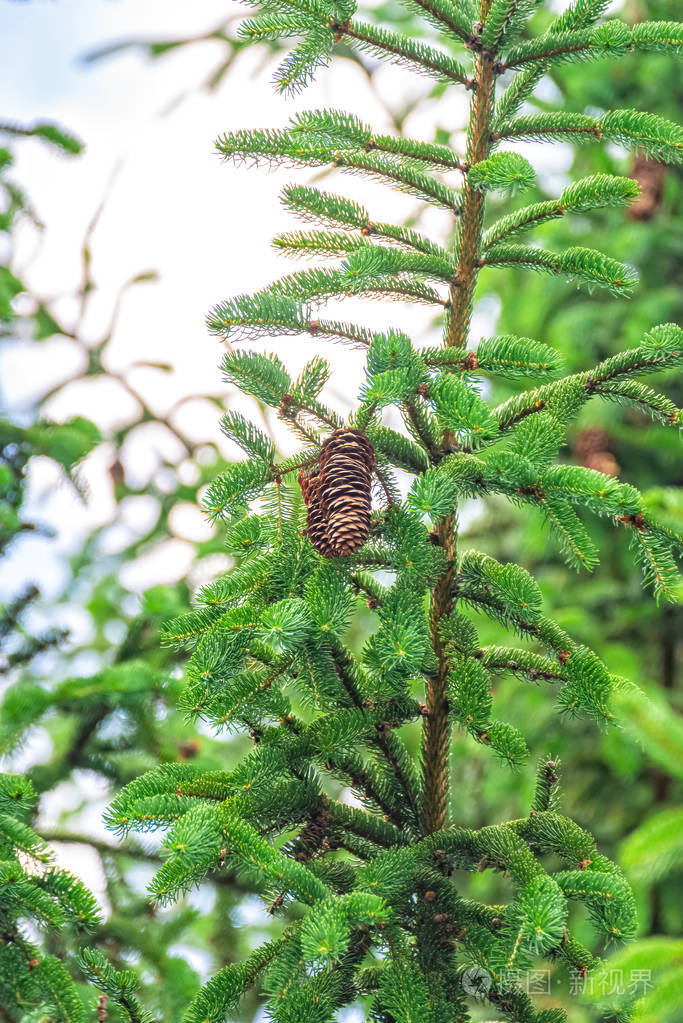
x: 34, y: 889
x: 632, y: 633
x: 651, y: 854
x: 378, y: 915
x: 34, y: 892
x: 47, y: 915
x: 98, y: 703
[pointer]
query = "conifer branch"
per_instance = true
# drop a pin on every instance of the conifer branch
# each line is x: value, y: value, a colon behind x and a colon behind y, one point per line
x: 364, y: 583
x: 405, y: 51
x: 442, y: 13
x: 311, y: 204
x: 555, y: 46
x: 517, y: 661
x: 593, y: 193
x: 386, y: 742
x: 611, y: 39
x: 366, y: 825
x: 345, y: 131
x: 580, y: 16
x: 657, y: 137
x: 586, y: 265
x: 414, y: 182
x: 607, y: 379
x: 421, y: 428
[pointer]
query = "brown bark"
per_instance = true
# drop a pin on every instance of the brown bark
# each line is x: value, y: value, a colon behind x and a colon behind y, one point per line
x: 436, y: 733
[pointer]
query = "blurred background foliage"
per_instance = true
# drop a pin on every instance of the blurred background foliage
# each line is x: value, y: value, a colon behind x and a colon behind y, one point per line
x: 106, y: 705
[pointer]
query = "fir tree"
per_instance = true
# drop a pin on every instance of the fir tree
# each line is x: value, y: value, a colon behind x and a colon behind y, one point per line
x: 378, y: 914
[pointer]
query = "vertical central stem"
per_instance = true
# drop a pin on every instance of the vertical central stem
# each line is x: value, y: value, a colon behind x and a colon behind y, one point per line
x: 472, y: 216
x: 436, y: 734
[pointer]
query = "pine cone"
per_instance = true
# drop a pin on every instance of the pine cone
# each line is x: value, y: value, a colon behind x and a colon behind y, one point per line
x: 315, y: 518
x: 338, y: 496
x: 346, y: 464
x: 651, y: 175
x: 592, y: 449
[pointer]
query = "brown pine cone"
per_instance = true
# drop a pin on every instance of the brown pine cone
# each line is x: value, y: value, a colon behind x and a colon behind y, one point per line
x: 651, y: 176
x: 347, y: 461
x: 338, y: 494
x: 592, y: 449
